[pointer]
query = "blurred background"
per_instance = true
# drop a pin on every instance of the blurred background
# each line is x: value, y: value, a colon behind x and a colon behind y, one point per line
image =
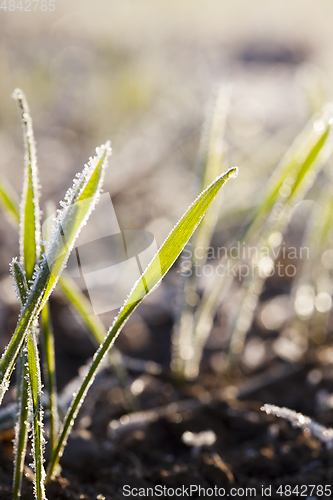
x: 144, y: 73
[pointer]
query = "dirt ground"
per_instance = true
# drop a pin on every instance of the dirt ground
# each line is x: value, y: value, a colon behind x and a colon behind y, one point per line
x: 112, y: 448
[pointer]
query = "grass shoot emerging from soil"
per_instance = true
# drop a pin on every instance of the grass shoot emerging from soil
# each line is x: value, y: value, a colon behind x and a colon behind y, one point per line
x: 35, y: 276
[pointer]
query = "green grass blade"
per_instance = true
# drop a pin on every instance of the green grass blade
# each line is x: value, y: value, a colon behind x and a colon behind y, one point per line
x: 307, y: 153
x: 29, y: 210
x: 297, y: 190
x: 287, y: 187
x: 83, y: 308
x: 37, y: 413
x: 22, y: 424
x: 318, y: 238
x: 31, y: 383
x: 82, y: 305
x: 8, y: 202
x: 212, y: 164
x: 50, y: 375
x: 76, y: 211
x: 98, y: 332
x: 155, y: 271
x: 30, y: 237
x: 76, y: 299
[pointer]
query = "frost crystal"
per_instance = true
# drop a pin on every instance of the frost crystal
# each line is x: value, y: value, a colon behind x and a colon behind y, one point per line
x: 323, y: 434
x: 30, y: 171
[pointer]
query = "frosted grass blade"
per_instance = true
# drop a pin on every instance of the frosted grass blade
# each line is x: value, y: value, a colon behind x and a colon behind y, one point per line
x: 79, y: 203
x: 203, y: 325
x: 29, y: 253
x: 213, y: 165
x: 81, y: 305
x: 313, y: 284
x: 287, y: 187
x: 38, y: 442
x: 29, y: 208
x: 31, y: 394
x: 50, y: 374
x: 211, y: 161
x: 22, y: 425
x: 298, y: 420
x: 155, y: 271
x: 98, y: 332
x: 297, y: 190
x: 8, y: 202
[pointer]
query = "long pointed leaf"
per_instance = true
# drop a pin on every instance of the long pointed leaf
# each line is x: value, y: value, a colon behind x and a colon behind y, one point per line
x: 212, y: 163
x: 30, y: 236
x: 8, y: 202
x: 22, y: 424
x: 155, y: 271
x: 98, y: 332
x: 31, y: 389
x: 37, y: 413
x: 81, y: 305
x: 49, y: 374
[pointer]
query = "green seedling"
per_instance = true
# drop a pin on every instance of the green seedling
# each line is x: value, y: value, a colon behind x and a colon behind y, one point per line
x: 36, y: 276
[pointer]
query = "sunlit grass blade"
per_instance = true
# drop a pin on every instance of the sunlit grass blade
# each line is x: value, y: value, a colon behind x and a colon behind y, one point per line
x: 79, y: 203
x: 8, y: 202
x: 77, y: 299
x: 293, y: 177
x: 287, y: 187
x: 312, y: 287
x: 38, y: 441
x: 155, y: 271
x: 30, y: 234
x: 32, y: 387
x: 312, y: 82
x: 213, y: 165
x: 203, y: 325
x: 50, y: 375
x: 298, y: 420
x: 318, y: 237
x: 211, y: 162
x: 30, y: 237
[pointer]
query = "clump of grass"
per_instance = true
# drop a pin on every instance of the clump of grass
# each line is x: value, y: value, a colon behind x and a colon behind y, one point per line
x: 287, y: 186
x: 37, y: 273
